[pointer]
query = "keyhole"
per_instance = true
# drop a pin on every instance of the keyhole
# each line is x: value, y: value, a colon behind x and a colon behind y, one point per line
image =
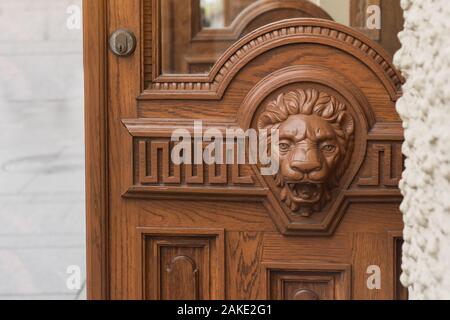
x: 121, y: 43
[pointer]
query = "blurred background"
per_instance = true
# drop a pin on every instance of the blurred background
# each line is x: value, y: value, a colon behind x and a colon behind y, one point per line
x: 42, y: 223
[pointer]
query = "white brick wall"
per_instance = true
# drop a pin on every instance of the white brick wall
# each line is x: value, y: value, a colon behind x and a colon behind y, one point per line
x: 425, y: 110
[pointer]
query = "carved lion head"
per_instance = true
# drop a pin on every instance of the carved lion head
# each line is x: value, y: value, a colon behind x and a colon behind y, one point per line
x: 315, y: 145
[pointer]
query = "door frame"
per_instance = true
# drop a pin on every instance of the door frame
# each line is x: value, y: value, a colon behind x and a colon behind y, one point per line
x: 95, y: 40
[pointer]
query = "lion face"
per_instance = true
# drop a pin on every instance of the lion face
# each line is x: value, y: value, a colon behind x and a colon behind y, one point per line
x: 315, y: 141
x: 308, y: 153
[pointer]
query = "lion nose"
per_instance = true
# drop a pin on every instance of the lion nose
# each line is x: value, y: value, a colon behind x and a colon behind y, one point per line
x: 305, y: 160
x: 305, y: 166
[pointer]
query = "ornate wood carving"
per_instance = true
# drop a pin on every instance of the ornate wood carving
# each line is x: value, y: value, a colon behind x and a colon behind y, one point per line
x: 385, y: 161
x: 329, y: 100
x: 336, y: 98
x: 213, y: 85
x: 308, y: 281
x: 193, y: 257
x: 156, y: 168
x: 352, y: 116
x: 155, y: 174
x: 316, y: 136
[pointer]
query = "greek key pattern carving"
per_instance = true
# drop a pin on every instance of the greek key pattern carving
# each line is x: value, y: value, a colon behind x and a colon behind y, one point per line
x: 385, y: 164
x: 155, y: 167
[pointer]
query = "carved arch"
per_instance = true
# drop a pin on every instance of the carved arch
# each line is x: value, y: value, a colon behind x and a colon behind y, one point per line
x: 342, y: 88
x: 302, y: 30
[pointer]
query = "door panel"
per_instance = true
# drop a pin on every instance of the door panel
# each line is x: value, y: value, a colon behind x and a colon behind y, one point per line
x: 310, y: 230
x: 182, y: 263
x: 318, y: 281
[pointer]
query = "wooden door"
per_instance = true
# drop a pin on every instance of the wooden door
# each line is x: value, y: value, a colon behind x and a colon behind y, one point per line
x: 325, y: 225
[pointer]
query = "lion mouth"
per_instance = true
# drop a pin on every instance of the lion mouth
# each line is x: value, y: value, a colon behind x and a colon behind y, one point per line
x: 305, y: 192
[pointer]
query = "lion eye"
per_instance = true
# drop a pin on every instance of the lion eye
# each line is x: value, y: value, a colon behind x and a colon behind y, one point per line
x: 329, y: 148
x: 284, y: 146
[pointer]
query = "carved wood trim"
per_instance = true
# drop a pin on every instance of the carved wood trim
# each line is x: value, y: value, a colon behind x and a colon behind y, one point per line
x: 213, y: 85
x: 237, y: 194
x: 387, y: 131
x: 391, y: 171
x: 231, y: 185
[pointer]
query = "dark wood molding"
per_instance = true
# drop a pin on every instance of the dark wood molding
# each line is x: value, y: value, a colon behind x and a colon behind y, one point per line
x: 95, y: 70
